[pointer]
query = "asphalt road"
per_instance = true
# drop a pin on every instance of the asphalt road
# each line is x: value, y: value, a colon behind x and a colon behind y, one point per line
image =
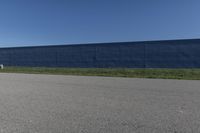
x: 76, y: 104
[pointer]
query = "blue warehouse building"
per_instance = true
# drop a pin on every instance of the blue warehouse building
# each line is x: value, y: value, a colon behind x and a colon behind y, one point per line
x: 145, y: 54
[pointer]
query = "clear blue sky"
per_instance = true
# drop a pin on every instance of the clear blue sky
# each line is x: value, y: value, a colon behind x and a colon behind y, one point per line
x: 44, y: 22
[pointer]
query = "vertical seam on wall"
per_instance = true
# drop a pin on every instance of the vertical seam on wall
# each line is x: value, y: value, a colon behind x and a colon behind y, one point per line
x: 95, y: 57
x: 145, y: 56
x: 56, y: 56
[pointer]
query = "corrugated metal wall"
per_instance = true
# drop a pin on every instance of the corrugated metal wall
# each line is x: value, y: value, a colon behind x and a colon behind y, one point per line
x: 149, y: 54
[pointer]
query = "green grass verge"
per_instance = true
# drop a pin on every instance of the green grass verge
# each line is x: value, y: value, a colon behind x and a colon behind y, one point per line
x: 190, y: 74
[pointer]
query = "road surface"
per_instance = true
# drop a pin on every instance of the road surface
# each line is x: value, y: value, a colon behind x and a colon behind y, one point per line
x: 79, y: 104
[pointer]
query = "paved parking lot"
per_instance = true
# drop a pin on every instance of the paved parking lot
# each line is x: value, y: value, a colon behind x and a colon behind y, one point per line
x: 77, y: 104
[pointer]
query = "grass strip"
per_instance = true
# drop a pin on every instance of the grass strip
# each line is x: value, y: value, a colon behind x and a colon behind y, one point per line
x: 189, y: 74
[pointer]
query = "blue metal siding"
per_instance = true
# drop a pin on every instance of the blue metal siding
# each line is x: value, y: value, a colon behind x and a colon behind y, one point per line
x: 173, y: 54
x: 149, y: 54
